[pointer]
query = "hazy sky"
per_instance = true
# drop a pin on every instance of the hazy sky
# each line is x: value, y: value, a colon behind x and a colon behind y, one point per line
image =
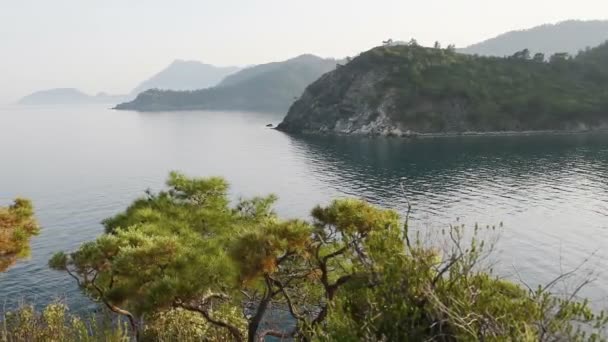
x: 111, y: 45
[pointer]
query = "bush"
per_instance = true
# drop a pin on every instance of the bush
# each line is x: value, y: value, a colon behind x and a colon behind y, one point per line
x: 17, y: 226
x: 56, y: 324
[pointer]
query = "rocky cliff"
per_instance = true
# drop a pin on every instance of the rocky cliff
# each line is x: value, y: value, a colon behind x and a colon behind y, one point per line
x: 408, y: 90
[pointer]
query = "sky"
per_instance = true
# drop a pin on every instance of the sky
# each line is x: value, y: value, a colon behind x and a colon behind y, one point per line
x: 112, y: 45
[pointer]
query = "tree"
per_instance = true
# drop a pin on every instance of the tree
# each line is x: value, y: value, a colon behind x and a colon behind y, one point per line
x: 353, y: 272
x: 447, y: 294
x: 387, y: 42
x: 539, y: 57
x: 523, y: 54
x: 559, y: 57
x: 159, y: 252
x: 17, y: 226
x: 169, y: 250
x: 413, y: 42
x: 437, y: 45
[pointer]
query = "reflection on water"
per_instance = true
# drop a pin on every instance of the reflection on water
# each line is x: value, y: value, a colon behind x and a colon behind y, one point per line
x: 551, y: 192
x: 80, y: 165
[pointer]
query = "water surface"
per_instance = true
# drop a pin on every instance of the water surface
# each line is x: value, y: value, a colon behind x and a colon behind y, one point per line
x: 82, y: 164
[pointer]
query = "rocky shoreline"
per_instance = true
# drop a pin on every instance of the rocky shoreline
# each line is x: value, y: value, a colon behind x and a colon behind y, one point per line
x: 417, y: 135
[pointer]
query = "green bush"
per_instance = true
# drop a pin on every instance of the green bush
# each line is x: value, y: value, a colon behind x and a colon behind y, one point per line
x: 56, y: 324
x: 17, y: 226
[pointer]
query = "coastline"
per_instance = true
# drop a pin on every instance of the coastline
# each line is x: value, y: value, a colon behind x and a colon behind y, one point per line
x: 416, y: 135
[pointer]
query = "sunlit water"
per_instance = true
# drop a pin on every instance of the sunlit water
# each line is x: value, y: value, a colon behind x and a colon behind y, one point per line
x: 82, y: 164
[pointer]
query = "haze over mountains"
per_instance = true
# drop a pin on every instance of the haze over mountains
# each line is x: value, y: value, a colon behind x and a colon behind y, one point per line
x: 67, y: 96
x: 179, y: 75
x: 569, y: 36
x: 268, y: 87
x: 273, y: 86
x: 185, y: 75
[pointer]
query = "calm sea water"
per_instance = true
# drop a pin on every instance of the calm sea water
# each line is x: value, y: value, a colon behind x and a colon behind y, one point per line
x: 82, y: 164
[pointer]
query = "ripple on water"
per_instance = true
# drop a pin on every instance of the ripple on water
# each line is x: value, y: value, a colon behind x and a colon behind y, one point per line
x: 550, y: 192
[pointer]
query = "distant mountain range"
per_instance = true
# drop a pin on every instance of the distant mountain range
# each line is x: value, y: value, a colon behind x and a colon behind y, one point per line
x: 185, y: 75
x: 187, y: 85
x: 63, y: 96
x: 267, y: 87
x: 568, y: 36
x: 179, y: 75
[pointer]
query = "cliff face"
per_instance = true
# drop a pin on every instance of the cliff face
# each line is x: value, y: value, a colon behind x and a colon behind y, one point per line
x: 406, y: 90
x: 344, y: 102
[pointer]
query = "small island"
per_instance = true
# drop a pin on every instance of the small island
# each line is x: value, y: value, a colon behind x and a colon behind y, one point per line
x: 68, y: 96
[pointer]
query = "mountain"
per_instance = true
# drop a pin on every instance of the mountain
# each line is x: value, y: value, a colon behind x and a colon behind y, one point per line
x: 411, y: 90
x: 185, y: 75
x: 568, y: 36
x: 268, y: 87
x: 68, y: 96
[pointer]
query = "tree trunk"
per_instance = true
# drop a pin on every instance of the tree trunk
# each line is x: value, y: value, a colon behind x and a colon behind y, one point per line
x: 254, y: 324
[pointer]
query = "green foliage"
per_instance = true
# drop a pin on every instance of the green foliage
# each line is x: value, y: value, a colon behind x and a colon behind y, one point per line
x: 445, y: 295
x: 196, y: 266
x: 17, y: 226
x: 184, y: 326
x: 202, y: 203
x: 523, y: 54
x: 539, y: 57
x: 257, y: 251
x: 56, y: 324
x: 165, y: 249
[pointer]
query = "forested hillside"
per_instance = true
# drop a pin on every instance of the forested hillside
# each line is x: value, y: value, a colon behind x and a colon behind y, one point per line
x: 405, y: 90
x: 269, y: 87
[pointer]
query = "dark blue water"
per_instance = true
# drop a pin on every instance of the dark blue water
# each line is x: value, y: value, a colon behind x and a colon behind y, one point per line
x: 82, y: 164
